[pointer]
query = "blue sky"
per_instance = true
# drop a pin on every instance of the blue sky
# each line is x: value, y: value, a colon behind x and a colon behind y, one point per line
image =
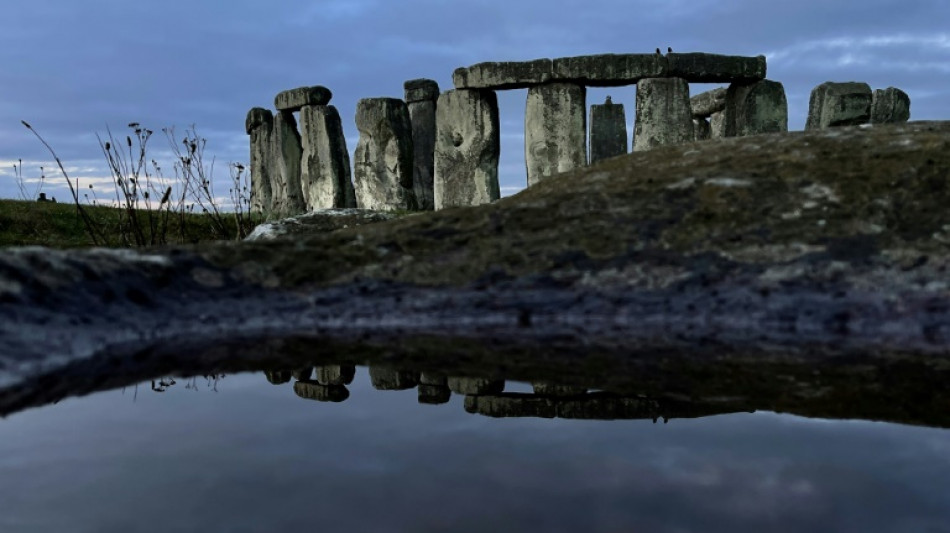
x: 72, y: 69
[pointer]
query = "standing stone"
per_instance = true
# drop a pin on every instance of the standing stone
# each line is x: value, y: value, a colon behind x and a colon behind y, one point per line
x: 466, y: 148
x: 890, y: 105
x: 717, y: 125
x: 702, y: 131
x: 383, y: 166
x: 286, y: 152
x: 421, y: 96
x: 325, y: 163
x: 663, y: 113
x: 385, y: 378
x: 555, y: 129
x: 608, y: 131
x: 838, y: 104
x: 260, y: 126
x: 756, y: 108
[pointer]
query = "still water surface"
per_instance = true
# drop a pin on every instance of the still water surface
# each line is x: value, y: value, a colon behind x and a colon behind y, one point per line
x: 247, y: 455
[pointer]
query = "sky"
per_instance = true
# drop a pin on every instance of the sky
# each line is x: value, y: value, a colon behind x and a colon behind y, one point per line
x: 75, y: 70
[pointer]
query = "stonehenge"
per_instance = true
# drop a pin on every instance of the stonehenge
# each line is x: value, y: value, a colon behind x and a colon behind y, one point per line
x: 608, y: 131
x: 383, y: 160
x: 434, y: 150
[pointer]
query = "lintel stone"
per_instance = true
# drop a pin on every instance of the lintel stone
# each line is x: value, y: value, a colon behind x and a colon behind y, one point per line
x: 294, y: 99
x: 698, y: 67
x: 503, y: 75
x: 705, y: 104
x: 421, y: 90
x: 610, y: 70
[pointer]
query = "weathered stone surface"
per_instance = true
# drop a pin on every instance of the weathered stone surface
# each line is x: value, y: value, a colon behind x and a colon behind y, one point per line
x: 286, y: 151
x: 475, y: 385
x: 311, y: 390
x: 663, y: 114
x: 385, y: 378
x: 319, y: 221
x: 421, y: 90
x: 325, y: 162
x: 555, y: 129
x: 889, y: 105
x: 756, y: 108
x: 503, y: 75
x: 717, y: 125
x: 715, y: 68
x: 709, y: 102
x: 838, y: 104
x: 422, y: 96
x: 783, y: 253
x: 294, y: 99
x: 335, y: 374
x: 383, y: 166
x: 608, y: 131
x: 467, y: 147
x: 260, y: 126
x: 702, y: 131
x: 609, y: 70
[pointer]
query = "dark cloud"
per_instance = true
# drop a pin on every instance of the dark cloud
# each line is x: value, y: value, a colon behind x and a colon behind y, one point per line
x: 73, y: 69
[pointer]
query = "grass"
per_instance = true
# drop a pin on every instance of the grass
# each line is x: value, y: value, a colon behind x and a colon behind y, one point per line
x: 58, y: 225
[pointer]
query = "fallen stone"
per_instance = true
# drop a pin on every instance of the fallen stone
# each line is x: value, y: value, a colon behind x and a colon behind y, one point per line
x: 467, y: 148
x: 503, y: 75
x: 317, y: 221
x: 756, y: 108
x: 608, y: 131
x: 663, y: 114
x: 707, y: 103
x: 838, y: 104
x: 702, y: 131
x: 383, y: 158
x: 889, y: 105
x: 715, y: 68
x: 260, y: 127
x: 286, y: 152
x: 555, y: 129
x: 609, y: 70
x: 421, y: 90
x: 421, y: 96
x: 325, y: 162
x: 294, y: 99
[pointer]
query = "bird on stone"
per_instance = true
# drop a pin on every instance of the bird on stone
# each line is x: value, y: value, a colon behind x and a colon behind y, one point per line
x: 669, y: 49
x: 657, y: 51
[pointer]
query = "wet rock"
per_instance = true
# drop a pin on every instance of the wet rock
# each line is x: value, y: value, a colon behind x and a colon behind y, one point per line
x: 467, y: 149
x: 325, y: 162
x: 318, y: 221
x: 383, y: 158
x: 295, y: 99
x: 838, y: 104
x: 555, y: 127
x: 260, y: 127
x: 421, y: 96
x: 889, y: 105
x: 608, y: 131
x: 663, y: 113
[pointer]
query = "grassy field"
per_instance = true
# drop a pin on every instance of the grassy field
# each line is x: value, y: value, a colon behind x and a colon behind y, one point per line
x: 58, y: 225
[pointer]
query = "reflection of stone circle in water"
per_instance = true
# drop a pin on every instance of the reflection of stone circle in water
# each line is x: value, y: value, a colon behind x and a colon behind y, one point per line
x: 278, y: 377
x: 434, y: 394
x: 311, y: 390
x: 335, y: 374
